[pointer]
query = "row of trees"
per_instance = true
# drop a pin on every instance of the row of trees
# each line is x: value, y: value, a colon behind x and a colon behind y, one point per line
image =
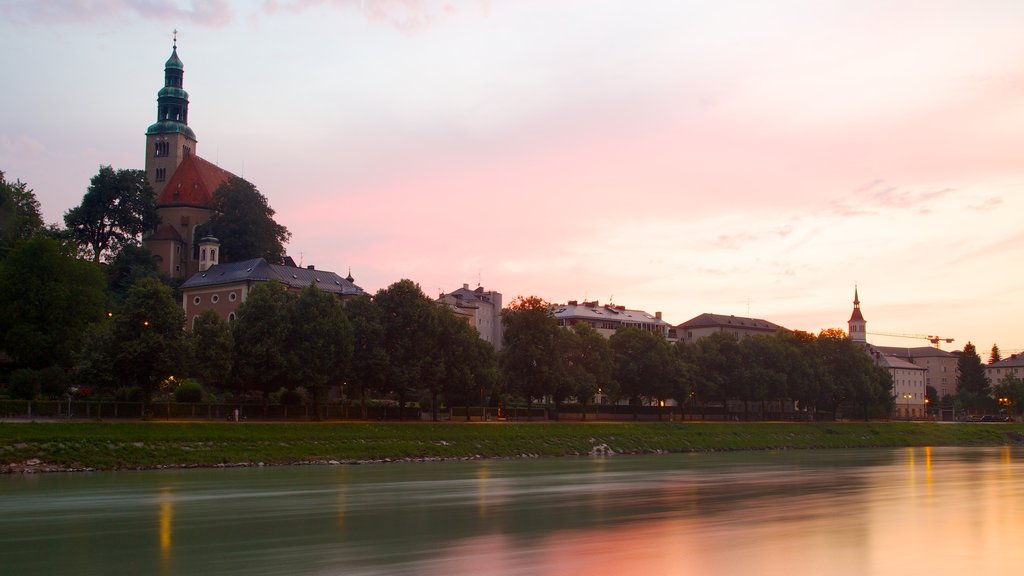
x: 826, y: 372
x: 398, y: 343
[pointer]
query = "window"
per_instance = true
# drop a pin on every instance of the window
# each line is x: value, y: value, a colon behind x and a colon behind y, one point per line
x: 161, y: 174
x: 215, y: 299
x: 197, y: 300
x: 231, y: 317
x: 232, y: 297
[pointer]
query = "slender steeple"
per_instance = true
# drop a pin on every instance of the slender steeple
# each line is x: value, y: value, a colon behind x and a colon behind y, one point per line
x: 169, y: 140
x: 858, y: 326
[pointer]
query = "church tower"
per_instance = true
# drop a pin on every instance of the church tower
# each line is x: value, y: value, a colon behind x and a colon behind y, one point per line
x: 858, y: 326
x: 169, y: 140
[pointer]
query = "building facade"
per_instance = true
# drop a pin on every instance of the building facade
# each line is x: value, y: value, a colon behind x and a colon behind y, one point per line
x: 481, y: 309
x: 1012, y: 366
x: 223, y: 287
x: 707, y: 324
x: 608, y: 318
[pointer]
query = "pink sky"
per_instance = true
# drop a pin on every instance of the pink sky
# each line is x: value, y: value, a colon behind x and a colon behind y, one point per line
x: 685, y: 157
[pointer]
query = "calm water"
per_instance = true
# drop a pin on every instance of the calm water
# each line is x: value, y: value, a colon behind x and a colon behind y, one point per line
x: 900, y: 511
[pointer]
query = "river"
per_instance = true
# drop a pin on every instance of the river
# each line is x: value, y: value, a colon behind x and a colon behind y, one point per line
x: 837, y: 512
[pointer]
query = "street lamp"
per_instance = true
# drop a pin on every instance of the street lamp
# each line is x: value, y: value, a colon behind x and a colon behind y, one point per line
x: 907, y: 397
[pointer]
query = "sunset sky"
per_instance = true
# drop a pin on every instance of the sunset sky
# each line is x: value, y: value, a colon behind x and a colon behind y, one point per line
x: 735, y: 157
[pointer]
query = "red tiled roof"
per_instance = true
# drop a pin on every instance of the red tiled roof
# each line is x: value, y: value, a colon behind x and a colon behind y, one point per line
x: 193, y: 183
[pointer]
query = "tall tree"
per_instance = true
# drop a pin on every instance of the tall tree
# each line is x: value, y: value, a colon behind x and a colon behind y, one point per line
x: 971, y: 382
x: 244, y: 224
x: 47, y: 300
x: 995, y: 356
x: 465, y: 361
x: 117, y: 209
x: 260, y: 331
x: 1009, y: 392
x: 531, y: 360
x: 211, y: 349
x: 130, y: 264
x: 369, y: 357
x: 591, y: 365
x: 644, y: 365
x: 148, y: 337
x: 20, y: 216
x: 409, y: 318
x: 319, y: 343
x: 762, y: 373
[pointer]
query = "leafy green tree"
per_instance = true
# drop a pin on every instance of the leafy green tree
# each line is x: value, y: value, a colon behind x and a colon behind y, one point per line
x: 24, y: 384
x: 972, y: 384
x: 1009, y: 392
x: 211, y: 348
x: 319, y: 343
x: 805, y: 378
x: 718, y: 359
x: 148, y: 337
x: 116, y: 210
x: 20, y: 215
x: 131, y: 263
x: 762, y: 373
x: 531, y: 360
x: 465, y: 360
x: 94, y: 361
x: 244, y: 224
x: 591, y: 365
x: 369, y: 357
x: 854, y: 380
x: 47, y: 300
x: 644, y: 365
x: 260, y: 331
x: 406, y: 316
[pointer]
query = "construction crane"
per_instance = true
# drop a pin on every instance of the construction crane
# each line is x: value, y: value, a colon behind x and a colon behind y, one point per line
x: 933, y: 339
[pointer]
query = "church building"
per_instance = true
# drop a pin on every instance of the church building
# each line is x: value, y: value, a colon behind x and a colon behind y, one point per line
x: 183, y: 182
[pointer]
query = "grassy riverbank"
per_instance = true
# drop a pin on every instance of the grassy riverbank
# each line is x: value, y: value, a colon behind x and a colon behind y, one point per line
x: 131, y: 445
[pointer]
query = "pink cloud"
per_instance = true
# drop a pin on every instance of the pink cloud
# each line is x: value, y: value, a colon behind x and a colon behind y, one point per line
x: 214, y: 13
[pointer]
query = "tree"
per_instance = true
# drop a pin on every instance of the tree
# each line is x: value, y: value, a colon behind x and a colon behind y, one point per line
x: 408, y: 318
x: 117, y: 209
x: 147, y: 336
x: 47, y: 300
x: 131, y: 263
x: 244, y: 224
x: 971, y: 383
x: 466, y: 361
x: 853, y: 379
x: 260, y: 331
x: 1009, y: 392
x: 995, y: 355
x: 762, y: 373
x: 644, y: 365
x: 718, y: 359
x: 591, y: 364
x: 531, y: 360
x: 805, y: 377
x: 319, y: 343
x: 212, y: 349
x: 20, y: 216
x: 369, y: 358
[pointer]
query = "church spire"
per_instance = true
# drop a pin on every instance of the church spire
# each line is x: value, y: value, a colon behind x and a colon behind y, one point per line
x: 169, y: 140
x: 857, y: 323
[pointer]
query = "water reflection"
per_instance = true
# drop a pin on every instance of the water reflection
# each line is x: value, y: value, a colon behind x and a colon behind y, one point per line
x: 795, y: 513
